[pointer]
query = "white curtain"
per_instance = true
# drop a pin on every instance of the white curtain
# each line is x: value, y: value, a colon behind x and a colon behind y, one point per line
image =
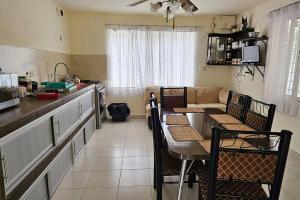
x: 141, y: 56
x: 283, y: 64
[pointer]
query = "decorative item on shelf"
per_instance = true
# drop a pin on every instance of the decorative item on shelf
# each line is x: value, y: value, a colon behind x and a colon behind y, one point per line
x: 213, y: 25
x: 169, y: 8
x: 253, y: 34
x: 234, y: 28
x: 244, y: 23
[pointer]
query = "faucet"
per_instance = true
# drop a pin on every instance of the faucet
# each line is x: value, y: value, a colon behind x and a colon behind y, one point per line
x: 58, y: 64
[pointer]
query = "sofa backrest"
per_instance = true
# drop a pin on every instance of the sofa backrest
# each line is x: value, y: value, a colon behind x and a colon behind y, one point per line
x: 195, y: 95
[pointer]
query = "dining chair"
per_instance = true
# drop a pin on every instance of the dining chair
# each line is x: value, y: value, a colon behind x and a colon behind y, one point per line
x: 173, y: 97
x: 164, y: 163
x: 238, y: 172
x: 260, y: 115
x: 237, y: 105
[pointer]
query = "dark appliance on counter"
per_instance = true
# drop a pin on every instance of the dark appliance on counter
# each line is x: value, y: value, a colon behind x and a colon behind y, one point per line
x: 9, y: 90
x: 100, y: 93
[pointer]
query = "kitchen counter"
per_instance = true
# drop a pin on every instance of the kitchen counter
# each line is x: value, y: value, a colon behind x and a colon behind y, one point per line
x: 31, y: 108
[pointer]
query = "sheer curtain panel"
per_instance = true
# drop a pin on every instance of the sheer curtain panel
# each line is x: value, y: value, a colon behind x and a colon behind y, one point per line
x: 140, y: 56
x: 282, y: 82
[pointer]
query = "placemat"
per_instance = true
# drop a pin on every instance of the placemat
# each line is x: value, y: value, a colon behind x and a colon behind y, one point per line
x: 177, y: 120
x: 225, y: 119
x: 238, y: 127
x: 184, y: 133
x: 230, y: 143
x: 188, y: 110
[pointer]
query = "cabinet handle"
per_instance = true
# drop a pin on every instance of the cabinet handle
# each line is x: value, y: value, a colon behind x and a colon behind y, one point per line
x: 80, y: 109
x: 58, y: 128
x: 5, y: 168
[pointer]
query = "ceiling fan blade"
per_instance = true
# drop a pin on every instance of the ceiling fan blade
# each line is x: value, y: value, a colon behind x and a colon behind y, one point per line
x: 137, y: 2
x: 195, y: 8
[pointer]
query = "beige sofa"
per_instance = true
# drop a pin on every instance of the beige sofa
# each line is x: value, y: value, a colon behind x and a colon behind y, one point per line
x: 203, y: 97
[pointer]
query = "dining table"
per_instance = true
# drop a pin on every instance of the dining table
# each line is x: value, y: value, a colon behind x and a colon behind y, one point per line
x: 192, y: 150
x: 187, y: 150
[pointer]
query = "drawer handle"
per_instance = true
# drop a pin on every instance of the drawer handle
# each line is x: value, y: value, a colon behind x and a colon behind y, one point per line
x: 5, y: 168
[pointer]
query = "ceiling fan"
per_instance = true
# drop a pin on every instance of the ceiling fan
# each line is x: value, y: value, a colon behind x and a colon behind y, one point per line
x: 171, y: 7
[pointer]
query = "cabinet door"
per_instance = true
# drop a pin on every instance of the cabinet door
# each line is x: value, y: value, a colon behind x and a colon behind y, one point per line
x: 59, y: 168
x: 39, y: 191
x: 87, y: 103
x: 22, y: 152
x: 65, y: 121
x: 78, y: 143
x: 90, y: 128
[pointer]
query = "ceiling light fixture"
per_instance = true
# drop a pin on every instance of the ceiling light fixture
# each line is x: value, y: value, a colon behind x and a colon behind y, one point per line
x: 170, y: 7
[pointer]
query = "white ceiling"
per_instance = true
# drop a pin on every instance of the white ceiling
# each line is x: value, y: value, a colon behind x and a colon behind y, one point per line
x: 216, y: 7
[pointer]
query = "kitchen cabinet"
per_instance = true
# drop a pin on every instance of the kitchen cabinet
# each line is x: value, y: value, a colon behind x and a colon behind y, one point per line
x: 65, y: 121
x: 90, y: 128
x: 59, y: 168
x: 20, y: 153
x: 78, y: 143
x: 87, y: 103
x: 38, y: 190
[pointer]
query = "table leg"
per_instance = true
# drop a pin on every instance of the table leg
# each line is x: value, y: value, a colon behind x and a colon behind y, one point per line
x: 182, y: 175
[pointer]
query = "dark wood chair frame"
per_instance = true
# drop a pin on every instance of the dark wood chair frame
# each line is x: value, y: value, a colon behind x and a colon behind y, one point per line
x: 158, y: 145
x: 244, y: 103
x: 282, y: 153
x: 263, y: 110
x: 162, y: 96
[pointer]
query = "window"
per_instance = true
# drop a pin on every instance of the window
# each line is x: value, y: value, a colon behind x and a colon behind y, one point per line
x: 293, y: 45
x: 140, y: 56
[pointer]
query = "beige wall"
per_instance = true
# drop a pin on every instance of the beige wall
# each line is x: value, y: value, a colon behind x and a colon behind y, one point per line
x: 33, y: 24
x: 30, y: 32
x: 259, y: 20
x: 88, y: 42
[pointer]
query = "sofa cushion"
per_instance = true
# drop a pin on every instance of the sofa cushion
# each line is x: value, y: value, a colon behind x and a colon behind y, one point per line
x: 223, y: 95
x: 191, y: 95
x: 206, y: 95
x: 155, y: 89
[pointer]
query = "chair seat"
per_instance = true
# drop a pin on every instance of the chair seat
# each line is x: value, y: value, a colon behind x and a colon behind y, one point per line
x: 172, y: 166
x: 231, y: 190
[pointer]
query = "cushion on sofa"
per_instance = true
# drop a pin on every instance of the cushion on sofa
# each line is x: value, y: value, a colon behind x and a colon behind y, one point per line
x: 223, y: 95
x: 207, y: 95
x: 191, y: 95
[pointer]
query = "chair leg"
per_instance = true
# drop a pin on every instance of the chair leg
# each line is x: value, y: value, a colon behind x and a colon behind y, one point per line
x: 149, y: 122
x: 191, y: 180
x: 159, y: 188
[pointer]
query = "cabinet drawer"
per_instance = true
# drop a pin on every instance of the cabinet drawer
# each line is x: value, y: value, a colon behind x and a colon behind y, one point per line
x: 59, y: 168
x: 78, y: 143
x: 65, y: 121
x: 90, y: 128
x: 22, y: 152
x: 87, y: 103
x: 39, y: 191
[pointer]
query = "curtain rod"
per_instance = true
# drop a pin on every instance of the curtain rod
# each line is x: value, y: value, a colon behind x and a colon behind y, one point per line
x: 167, y: 26
x: 285, y: 6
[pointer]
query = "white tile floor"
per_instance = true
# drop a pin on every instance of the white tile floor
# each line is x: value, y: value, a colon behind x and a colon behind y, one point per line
x: 117, y: 164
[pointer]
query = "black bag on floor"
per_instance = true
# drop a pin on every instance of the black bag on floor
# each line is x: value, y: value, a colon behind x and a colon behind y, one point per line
x: 118, y: 111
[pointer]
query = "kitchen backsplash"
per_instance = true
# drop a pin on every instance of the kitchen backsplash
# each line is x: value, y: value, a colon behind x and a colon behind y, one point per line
x: 21, y: 60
